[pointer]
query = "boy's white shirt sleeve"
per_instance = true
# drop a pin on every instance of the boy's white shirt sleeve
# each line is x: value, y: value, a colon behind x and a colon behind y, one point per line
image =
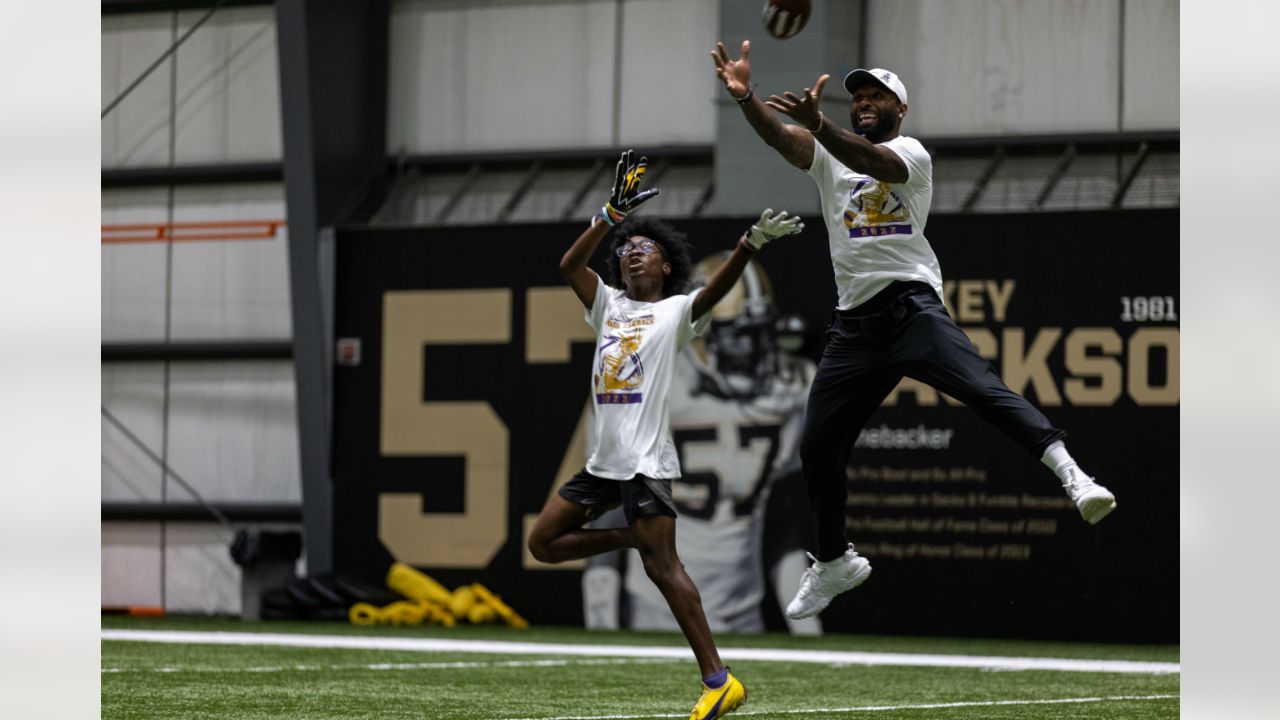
x: 689, y: 325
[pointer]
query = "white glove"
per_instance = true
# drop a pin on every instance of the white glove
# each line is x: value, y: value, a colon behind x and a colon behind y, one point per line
x: 771, y: 228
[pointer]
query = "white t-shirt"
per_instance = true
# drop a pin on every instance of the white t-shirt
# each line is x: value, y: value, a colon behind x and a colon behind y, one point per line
x: 876, y: 228
x: 636, y: 346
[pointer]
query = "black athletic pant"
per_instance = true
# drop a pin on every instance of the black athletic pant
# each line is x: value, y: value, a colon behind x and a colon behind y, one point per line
x: 904, y: 330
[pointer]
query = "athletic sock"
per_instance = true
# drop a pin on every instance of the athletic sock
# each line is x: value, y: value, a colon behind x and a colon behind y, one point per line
x: 716, y: 679
x: 1057, y: 459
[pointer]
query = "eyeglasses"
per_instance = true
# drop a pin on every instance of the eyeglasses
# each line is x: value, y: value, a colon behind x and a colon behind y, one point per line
x: 645, y: 247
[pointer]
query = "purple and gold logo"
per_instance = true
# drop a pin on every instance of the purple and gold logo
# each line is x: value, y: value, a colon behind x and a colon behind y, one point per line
x: 620, y: 374
x: 874, y: 209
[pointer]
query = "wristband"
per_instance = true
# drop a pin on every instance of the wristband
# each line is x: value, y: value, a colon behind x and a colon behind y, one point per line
x: 745, y: 245
x: 610, y: 216
x: 822, y: 119
x: 745, y: 98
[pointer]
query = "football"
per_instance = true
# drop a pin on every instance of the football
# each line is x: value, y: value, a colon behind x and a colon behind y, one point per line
x: 784, y: 18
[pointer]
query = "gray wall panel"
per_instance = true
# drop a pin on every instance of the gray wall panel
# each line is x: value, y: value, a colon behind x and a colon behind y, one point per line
x: 1151, y: 54
x: 190, y: 572
x: 973, y: 68
x: 228, y: 88
x: 1003, y: 66
x: 498, y: 75
x: 668, y: 86
x: 201, y: 577
x: 131, y: 569
x: 233, y: 431
x: 232, y: 428
x: 133, y: 274
x: 533, y: 74
x: 231, y: 289
x: 133, y: 292
x: 228, y: 103
x: 134, y: 394
x: 221, y: 290
x: 137, y: 131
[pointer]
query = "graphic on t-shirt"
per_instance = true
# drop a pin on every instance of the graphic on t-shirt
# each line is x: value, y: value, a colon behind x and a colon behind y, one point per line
x: 620, y: 375
x: 875, y: 209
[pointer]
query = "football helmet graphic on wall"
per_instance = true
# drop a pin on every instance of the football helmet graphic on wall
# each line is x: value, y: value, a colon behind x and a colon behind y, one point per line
x: 738, y: 356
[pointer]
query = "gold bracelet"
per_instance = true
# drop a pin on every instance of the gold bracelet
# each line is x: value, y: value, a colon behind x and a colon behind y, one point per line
x: 822, y: 119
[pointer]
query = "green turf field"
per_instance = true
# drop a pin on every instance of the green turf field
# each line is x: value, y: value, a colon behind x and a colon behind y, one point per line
x: 193, y: 680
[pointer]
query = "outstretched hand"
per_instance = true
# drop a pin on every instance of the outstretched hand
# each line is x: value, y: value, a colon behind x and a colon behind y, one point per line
x: 803, y: 109
x: 735, y: 74
x: 626, y: 195
x: 771, y: 227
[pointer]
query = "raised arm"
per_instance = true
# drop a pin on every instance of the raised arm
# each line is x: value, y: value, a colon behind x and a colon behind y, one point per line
x: 768, y: 227
x: 573, y: 265
x: 856, y: 152
x: 624, y: 198
x: 792, y: 143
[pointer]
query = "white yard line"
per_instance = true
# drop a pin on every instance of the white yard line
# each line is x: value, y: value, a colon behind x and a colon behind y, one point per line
x: 396, y: 666
x: 876, y: 708
x: 825, y: 657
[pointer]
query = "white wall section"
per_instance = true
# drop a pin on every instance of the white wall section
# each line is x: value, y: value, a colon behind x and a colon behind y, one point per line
x: 233, y: 431
x: 134, y: 394
x: 221, y: 289
x: 228, y: 95
x: 1151, y: 65
x: 1003, y: 66
x: 136, y: 132
x: 496, y: 75
x: 231, y: 289
x: 229, y: 428
x: 669, y: 85
x: 131, y: 569
x: 228, y: 88
x: 133, y: 274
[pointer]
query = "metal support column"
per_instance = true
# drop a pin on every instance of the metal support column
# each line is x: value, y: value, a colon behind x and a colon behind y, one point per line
x: 333, y: 99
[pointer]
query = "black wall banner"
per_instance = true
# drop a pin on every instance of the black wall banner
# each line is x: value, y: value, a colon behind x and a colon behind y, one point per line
x: 463, y: 406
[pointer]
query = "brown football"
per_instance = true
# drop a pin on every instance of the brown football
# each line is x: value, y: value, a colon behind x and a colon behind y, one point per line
x: 784, y: 18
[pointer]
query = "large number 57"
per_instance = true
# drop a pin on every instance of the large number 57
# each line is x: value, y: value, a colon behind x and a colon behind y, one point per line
x: 413, y: 426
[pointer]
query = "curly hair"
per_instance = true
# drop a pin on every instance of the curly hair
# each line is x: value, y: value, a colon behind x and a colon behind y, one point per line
x: 675, y: 251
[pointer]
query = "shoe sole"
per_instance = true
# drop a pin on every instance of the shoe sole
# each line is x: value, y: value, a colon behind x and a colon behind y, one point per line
x: 1094, y: 510
x: 858, y: 578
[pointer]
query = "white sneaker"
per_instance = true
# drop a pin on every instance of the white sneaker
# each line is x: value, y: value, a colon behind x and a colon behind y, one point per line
x: 1094, y: 501
x: 823, y: 581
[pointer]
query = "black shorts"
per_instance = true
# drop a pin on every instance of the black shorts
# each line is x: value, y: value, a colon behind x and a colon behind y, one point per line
x: 641, y: 496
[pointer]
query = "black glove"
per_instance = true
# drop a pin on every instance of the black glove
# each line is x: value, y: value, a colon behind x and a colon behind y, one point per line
x: 626, y: 195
